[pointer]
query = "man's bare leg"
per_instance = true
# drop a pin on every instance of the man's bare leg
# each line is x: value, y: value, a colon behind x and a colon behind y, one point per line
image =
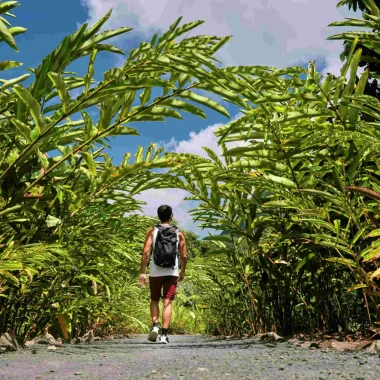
x: 154, y: 311
x: 167, y: 313
x: 166, y: 317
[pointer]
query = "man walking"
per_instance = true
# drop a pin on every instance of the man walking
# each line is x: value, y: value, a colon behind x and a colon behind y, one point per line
x: 166, y: 271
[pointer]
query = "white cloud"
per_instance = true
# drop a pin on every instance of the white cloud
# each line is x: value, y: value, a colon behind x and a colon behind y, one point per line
x: 334, y: 64
x: 175, y: 197
x: 265, y: 32
x: 196, y: 141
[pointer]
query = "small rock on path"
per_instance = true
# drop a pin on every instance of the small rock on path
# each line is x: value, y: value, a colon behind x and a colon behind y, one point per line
x: 186, y: 357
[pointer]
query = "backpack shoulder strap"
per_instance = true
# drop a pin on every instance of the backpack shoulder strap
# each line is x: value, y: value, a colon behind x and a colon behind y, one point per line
x: 155, y: 233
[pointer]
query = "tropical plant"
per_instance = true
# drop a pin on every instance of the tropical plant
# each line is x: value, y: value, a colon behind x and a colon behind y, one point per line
x: 370, y: 58
x: 297, y: 205
x: 358, y: 4
x: 57, y: 184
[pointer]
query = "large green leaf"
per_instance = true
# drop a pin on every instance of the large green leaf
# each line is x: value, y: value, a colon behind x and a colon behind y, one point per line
x: 32, y: 104
x: 204, y: 101
x: 6, y: 36
x: 262, y: 164
x: 342, y: 261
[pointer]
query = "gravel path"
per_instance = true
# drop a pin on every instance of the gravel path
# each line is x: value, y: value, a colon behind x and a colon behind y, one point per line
x: 186, y: 357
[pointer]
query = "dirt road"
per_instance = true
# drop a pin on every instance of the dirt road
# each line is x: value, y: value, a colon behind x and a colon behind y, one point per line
x: 186, y: 357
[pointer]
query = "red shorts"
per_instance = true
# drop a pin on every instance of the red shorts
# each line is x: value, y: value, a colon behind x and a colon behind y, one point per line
x: 168, y: 284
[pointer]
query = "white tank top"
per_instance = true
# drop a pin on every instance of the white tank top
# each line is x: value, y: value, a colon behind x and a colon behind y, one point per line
x: 156, y: 271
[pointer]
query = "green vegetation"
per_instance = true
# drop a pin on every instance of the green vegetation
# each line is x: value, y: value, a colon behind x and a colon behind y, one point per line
x: 68, y: 258
x: 295, y: 205
x: 370, y: 58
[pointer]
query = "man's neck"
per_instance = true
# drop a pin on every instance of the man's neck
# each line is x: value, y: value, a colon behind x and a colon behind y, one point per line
x: 165, y: 223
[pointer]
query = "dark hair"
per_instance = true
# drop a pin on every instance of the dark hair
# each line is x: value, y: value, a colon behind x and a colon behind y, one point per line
x: 164, y: 213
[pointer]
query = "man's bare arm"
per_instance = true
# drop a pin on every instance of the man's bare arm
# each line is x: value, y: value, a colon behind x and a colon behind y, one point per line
x: 183, y: 251
x: 145, y: 256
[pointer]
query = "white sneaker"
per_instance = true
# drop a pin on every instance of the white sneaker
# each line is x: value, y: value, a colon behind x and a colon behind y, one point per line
x: 153, y: 334
x: 164, y: 339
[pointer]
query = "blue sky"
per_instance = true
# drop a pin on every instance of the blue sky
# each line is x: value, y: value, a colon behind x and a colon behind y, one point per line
x: 266, y: 32
x: 48, y: 22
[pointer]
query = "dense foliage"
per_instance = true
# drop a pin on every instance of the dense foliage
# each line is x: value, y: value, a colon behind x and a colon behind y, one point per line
x: 370, y: 58
x: 295, y: 203
x: 67, y: 255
